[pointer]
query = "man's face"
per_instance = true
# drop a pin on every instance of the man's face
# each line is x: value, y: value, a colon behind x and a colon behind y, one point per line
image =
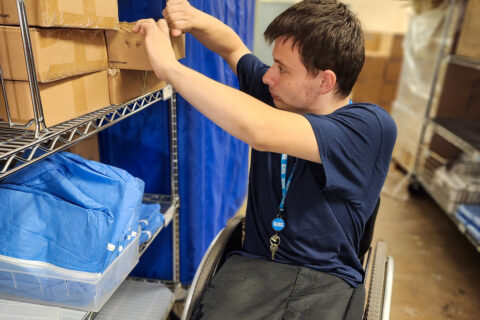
x: 290, y: 85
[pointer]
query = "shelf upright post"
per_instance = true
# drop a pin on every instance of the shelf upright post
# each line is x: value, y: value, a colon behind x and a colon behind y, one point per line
x: 174, y: 186
x: 32, y: 74
x: 5, y: 99
x: 433, y: 87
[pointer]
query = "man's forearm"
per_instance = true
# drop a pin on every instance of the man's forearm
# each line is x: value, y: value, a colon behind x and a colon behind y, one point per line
x: 262, y: 127
x: 219, y: 38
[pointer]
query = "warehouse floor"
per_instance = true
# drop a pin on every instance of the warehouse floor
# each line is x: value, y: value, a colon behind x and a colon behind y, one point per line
x: 437, y: 270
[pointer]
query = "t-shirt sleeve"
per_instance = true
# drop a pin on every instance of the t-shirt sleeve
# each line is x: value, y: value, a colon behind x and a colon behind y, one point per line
x: 351, y: 143
x: 250, y: 71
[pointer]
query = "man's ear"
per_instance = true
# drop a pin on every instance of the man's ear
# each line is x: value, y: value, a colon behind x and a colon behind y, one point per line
x: 327, y: 79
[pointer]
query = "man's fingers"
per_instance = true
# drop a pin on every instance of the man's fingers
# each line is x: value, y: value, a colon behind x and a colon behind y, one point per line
x: 176, y: 3
x: 143, y: 25
x: 176, y: 32
x: 138, y: 25
x: 162, y: 24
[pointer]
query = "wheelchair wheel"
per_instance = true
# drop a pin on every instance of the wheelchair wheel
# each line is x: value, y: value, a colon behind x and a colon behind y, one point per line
x: 375, y: 292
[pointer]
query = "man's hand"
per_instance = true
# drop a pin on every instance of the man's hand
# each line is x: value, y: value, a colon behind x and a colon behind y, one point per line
x: 159, y: 48
x: 180, y: 16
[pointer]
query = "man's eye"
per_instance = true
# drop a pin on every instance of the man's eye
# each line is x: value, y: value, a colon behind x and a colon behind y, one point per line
x: 281, y: 69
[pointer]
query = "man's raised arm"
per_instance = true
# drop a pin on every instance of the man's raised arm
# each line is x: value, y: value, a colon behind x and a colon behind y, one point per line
x: 211, y: 32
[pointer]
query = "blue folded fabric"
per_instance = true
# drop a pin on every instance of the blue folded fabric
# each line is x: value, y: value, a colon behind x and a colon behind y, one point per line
x: 38, y: 226
x: 471, y: 212
x: 87, y: 185
x: 150, y: 220
x: 474, y: 232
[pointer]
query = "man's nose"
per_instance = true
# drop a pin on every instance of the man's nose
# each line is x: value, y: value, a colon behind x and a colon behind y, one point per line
x: 268, y: 78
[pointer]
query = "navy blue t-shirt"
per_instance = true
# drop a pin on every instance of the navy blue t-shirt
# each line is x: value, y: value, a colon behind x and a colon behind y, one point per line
x: 328, y: 204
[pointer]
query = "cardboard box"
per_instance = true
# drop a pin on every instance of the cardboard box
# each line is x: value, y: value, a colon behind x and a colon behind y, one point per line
x: 124, y: 85
x: 377, y: 82
x: 87, y: 148
x: 392, y: 71
x: 396, y: 52
x: 374, y: 67
x: 460, y: 95
x: 388, y: 92
x: 58, y: 53
x: 378, y: 42
x: 368, y: 91
x: 469, y: 41
x: 126, y: 50
x: 89, y: 14
x: 62, y: 100
x: 388, y: 44
x: 369, y: 83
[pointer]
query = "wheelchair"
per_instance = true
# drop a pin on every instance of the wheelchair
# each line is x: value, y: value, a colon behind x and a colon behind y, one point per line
x: 379, y: 269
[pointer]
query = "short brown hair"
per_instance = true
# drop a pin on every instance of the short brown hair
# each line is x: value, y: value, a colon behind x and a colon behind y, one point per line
x: 329, y: 37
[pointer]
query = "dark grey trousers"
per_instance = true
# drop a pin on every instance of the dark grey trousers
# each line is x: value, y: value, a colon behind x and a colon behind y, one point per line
x: 247, y: 288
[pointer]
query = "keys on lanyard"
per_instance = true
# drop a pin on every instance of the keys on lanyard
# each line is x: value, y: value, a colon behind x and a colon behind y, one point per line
x: 278, y: 224
x: 274, y: 242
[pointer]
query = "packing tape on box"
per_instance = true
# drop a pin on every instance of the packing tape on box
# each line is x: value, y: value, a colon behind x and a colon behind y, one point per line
x: 80, y: 11
x: 80, y: 95
x: 144, y: 82
x: 79, y: 39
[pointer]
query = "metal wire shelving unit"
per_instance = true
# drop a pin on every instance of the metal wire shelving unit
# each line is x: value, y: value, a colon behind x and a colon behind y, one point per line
x: 461, y: 133
x: 22, y: 144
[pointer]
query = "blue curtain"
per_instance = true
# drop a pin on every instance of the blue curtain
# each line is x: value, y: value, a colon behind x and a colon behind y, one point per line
x: 212, y: 164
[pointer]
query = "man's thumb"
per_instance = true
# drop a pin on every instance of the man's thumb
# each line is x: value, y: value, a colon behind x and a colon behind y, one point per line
x: 162, y: 24
x: 176, y: 32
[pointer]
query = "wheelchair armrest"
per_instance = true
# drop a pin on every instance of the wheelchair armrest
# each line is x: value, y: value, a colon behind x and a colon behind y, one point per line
x: 228, y: 239
x: 381, y: 282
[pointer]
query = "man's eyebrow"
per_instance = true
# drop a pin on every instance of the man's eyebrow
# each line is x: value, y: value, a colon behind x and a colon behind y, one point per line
x: 281, y: 63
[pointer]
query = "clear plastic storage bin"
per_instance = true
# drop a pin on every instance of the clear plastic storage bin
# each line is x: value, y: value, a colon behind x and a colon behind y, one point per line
x: 47, y: 284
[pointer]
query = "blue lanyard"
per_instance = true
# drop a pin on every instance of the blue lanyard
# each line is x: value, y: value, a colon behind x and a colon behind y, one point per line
x: 283, y: 177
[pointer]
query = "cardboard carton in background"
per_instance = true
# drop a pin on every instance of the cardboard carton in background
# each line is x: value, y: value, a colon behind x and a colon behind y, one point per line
x: 62, y: 100
x: 378, y: 81
x: 126, y: 50
x: 124, y: 85
x: 469, y: 41
x: 87, y: 148
x: 58, y: 53
x: 460, y: 95
x: 63, y: 13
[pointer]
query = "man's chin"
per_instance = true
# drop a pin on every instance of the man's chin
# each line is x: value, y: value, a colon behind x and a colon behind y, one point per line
x: 279, y: 104
x: 282, y: 106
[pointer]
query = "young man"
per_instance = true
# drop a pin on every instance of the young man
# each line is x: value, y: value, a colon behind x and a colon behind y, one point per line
x: 318, y: 162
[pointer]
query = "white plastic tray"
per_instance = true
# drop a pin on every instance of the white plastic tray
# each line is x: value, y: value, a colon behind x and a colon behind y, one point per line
x: 50, y: 285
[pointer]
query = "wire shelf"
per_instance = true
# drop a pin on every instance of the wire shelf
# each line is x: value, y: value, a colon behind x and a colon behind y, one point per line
x: 167, y: 208
x: 20, y: 148
x: 448, y: 212
x: 459, y: 132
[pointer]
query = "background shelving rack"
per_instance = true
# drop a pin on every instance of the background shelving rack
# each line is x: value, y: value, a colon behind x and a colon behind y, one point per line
x: 461, y: 133
x: 21, y: 146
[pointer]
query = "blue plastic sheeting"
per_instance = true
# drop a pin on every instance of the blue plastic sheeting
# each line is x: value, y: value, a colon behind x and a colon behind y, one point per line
x: 150, y: 221
x: 212, y: 164
x: 68, y: 211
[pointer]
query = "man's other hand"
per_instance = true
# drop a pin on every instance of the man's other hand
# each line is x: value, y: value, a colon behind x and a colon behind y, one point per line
x: 159, y: 47
x: 180, y: 16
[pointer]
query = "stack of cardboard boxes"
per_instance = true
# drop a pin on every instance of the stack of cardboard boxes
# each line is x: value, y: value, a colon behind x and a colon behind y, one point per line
x: 74, y: 44
x: 130, y: 75
x: 71, y: 63
x: 378, y: 80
